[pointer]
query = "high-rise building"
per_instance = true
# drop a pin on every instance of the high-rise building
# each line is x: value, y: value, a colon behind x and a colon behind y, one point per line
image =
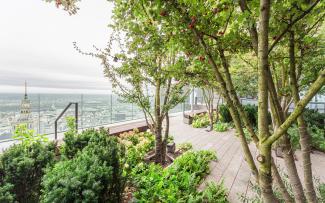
x: 25, y: 116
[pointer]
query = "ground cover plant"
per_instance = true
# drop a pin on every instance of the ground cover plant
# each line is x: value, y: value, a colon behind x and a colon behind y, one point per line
x: 177, y: 183
x: 221, y: 127
x: 200, y: 121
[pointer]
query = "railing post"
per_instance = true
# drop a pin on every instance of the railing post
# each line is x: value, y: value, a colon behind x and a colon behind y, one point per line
x: 76, y: 115
x: 56, y: 130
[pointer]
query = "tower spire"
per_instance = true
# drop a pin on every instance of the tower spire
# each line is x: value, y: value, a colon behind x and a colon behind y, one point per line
x: 25, y: 89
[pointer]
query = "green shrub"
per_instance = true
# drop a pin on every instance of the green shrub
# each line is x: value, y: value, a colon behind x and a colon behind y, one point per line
x: 22, y: 167
x: 294, y: 136
x: 73, y: 143
x: 213, y: 193
x: 317, y: 137
x: 186, y: 146
x: 175, y: 183
x: 94, y: 175
x: 200, y: 121
x: 314, y: 118
x: 224, y: 113
x: 321, y: 191
x: 221, y: 127
x: 5, y: 193
x: 28, y: 136
x: 251, y: 112
x: 137, y: 144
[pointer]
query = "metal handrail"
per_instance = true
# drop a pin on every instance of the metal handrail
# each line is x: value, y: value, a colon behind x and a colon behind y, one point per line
x: 62, y: 113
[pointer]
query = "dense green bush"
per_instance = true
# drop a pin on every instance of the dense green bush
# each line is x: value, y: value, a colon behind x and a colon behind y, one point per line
x: 137, y: 144
x: 21, y: 169
x: 174, y: 184
x: 73, y: 142
x: 200, y: 121
x: 224, y: 113
x: 251, y: 112
x: 317, y: 137
x: 314, y: 118
x: 221, y: 127
x: 5, y: 193
x: 94, y: 175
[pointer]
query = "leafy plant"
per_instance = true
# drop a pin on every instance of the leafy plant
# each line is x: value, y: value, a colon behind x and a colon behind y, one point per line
x: 73, y: 143
x: 314, y: 118
x: 28, y: 136
x: 21, y: 169
x: 94, y: 175
x: 175, y: 183
x: 221, y: 127
x: 317, y: 137
x: 213, y: 193
x: 225, y: 115
x: 186, y: 146
x: 137, y: 144
x: 200, y: 121
x: 251, y: 112
x: 5, y: 193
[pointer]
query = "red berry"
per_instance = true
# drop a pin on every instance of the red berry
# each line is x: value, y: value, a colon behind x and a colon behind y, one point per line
x: 163, y: 13
x: 190, y: 26
x: 215, y: 10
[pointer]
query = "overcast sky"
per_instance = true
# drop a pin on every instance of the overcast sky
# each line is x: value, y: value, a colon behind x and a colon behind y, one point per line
x: 36, y: 45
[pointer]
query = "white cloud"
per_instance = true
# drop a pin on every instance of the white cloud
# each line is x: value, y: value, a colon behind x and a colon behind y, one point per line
x: 36, y: 45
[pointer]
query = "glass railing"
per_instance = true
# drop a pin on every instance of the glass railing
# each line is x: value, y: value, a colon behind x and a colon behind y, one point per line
x: 94, y: 111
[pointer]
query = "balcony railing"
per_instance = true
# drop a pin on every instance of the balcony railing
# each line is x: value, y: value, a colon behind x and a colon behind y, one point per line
x: 93, y: 111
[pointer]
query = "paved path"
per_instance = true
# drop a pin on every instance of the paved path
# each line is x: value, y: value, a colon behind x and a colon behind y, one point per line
x: 231, y: 166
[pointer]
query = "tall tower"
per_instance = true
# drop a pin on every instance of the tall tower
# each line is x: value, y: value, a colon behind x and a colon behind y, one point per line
x: 25, y: 111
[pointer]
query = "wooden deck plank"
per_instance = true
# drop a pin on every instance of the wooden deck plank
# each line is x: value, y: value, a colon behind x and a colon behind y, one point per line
x: 227, y: 147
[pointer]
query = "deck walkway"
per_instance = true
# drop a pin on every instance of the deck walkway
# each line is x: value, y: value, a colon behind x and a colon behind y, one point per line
x: 231, y: 166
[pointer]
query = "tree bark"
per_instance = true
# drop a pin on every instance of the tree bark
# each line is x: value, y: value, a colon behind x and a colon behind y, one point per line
x: 305, y: 140
x: 277, y: 178
x: 278, y: 117
x: 265, y: 157
x: 158, y: 126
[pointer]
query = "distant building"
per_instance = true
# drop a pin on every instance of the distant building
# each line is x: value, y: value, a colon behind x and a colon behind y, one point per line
x: 25, y: 116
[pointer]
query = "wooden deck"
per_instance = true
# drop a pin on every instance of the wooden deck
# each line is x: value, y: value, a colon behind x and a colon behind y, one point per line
x: 231, y: 166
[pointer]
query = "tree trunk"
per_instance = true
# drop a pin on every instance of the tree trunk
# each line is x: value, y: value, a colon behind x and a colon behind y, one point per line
x: 265, y: 156
x: 165, y: 140
x: 158, y: 125
x: 304, y: 135
x: 284, y: 192
x: 233, y: 111
x: 159, y: 143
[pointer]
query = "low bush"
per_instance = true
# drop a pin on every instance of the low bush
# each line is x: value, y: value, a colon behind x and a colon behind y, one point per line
x: 21, y: 168
x: 224, y: 113
x: 321, y: 192
x: 73, y: 142
x: 317, y: 137
x: 213, y: 193
x: 251, y: 112
x: 94, y: 175
x: 137, y: 144
x: 200, y: 121
x: 221, y: 127
x: 186, y: 146
x: 173, y: 184
x: 314, y: 118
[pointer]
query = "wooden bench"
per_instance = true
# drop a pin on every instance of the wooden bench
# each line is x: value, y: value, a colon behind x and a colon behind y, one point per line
x: 126, y: 127
x: 188, y: 116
